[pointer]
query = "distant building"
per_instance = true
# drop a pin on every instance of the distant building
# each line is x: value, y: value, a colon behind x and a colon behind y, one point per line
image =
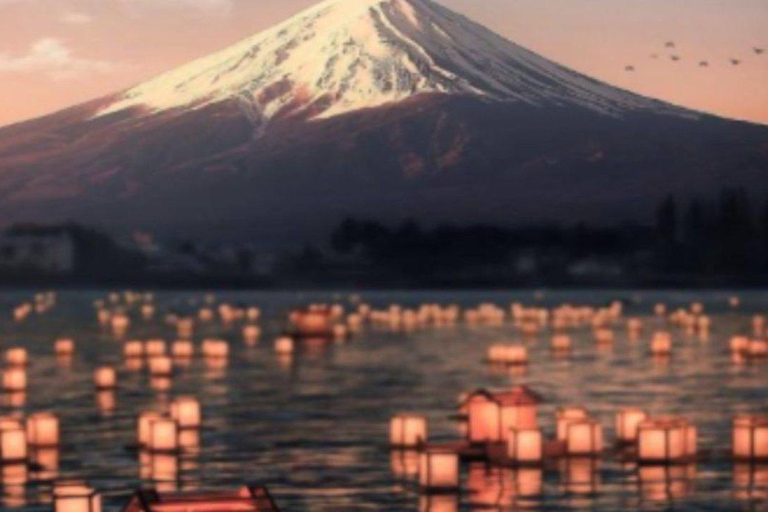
x: 38, y: 250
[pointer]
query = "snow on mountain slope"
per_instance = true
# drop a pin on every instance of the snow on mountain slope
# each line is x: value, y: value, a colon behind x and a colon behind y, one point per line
x: 345, y: 55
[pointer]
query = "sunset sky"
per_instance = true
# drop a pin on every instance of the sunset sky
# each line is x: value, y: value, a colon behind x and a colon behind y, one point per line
x: 57, y: 53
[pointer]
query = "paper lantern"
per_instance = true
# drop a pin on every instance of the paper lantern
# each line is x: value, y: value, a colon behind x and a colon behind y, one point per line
x: 143, y: 424
x: 185, y: 327
x: 160, y: 366
x: 64, y: 347
x: 187, y: 412
x: 660, y: 309
x: 163, y: 435
x: 439, y: 470
x: 561, y: 343
x: 154, y: 348
x: 105, y: 377
x: 75, y: 497
x: 661, y: 344
x: 182, y: 349
x: 340, y: 331
x: 583, y: 437
x: 750, y: 438
x: 665, y: 440
x: 215, y: 349
x: 758, y: 349
x: 627, y: 421
x: 566, y: 415
x: 407, y: 431
x: 491, y: 415
x: 43, y: 430
x: 13, y: 441
x: 16, y: 356
x: 739, y: 344
x: 284, y: 345
x: 133, y: 349
x: 404, y: 463
x: 251, y: 333
x: 15, y: 379
x: 525, y: 446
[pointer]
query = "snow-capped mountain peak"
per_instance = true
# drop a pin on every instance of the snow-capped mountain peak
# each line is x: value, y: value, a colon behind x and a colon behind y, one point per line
x: 345, y: 55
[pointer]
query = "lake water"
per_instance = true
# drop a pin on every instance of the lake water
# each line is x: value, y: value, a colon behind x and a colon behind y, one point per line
x: 314, y: 428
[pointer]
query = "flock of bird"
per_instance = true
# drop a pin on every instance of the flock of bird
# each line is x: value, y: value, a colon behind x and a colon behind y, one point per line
x: 674, y: 57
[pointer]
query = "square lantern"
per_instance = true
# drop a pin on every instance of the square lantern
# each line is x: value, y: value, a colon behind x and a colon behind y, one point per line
x: 404, y: 463
x: 160, y: 366
x: 154, y: 348
x: 133, y: 349
x: 750, y: 438
x: 142, y: 430
x: 407, y: 431
x: 163, y: 435
x: 246, y: 499
x: 525, y: 446
x: 182, y: 349
x: 627, y: 422
x: 64, y: 347
x: 13, y: 441
x: 566, y: 415
x: 584, y: 438
x: 105, y: 377
x: 43, y: 430
x: 15, y: 379
x: 16, y: 356
x: 75, y: 497
x: 187, y: 412
x: 439, y: 470
x: 491, y: 415
x: 666, y: 440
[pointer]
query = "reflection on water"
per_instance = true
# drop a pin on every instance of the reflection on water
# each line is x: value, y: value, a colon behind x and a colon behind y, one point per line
x: 313, y: 425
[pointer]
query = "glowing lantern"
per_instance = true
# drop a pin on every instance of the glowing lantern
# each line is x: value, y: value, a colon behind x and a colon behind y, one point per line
x: 284, y: 345
x: 604, y: 336
x: 75, y: 497
x: 185, y: 328
x: 739, y: 344
x: 16, y: 356
x: 15, y: 379
x: 252, y: 314
x: 143, y: 424
x: 312, y: 322
x: 758, y: 348
x: 404, y: 463
x: 253, y: 499
x: 105, y: 378
x: 64, y: 347
x: 524, y: 446
x: 660, y: 309
x: 666, y: 440
x: 561, y: 343
x: 661, y: 344
x: 182, y: 349
x: 163, y: 435
x: 758, y: 325
x: 439, y: 470
x: 750, y: 438
x: 43, y: 430
x: 627, y: 422
x: 133, y: 349
x: 340, y: 331
x: 13, y: 441
x: 584, y: 437
x: 155, y: 348
x: 187, y: 412
x: 251, y: 333
x: 566, y: 415
x: 215, y: 349
x: 580, y: 475
x: 492, y: 414
x: 160, y: 366
x: 407, y: 431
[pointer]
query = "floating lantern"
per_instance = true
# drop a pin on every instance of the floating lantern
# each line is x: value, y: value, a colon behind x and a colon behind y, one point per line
x: 16, y: 356
x: 43, y: 430
x: 142, y: 430
x: 660, y: 309
x: 758, y: 325
x: 105, y: 377
x: 75, y: 497
x: 665, y: 483
x: 182, y: 349
x: 133, y: 349
x: 525, y: 446
x: 120, y: 323
x: 215, y: 349
x: 340, y: 331
x: 160, y: 366
x: 284, y: 345
x: 604, y: 336
x: 661, y: 344
x: 13, y: 441
x: 187, y: 412
x: 583, y: 437
x: 561, y: 343
x: 154, y: 348
x: 252, y: 314
x: 750, y: 438
x: 665, y: 440
x: 739, y: 345
x: 254, y: 499
x: 492, y: 414
x: 439, y: 470
x: 580, y: 475
x: 15, y: 379
x: 185, y: 327
x: 634, y: 326
x: 566, y: 415
x: 64, y: 347
x: 758, y: 349
x: 627, y: 422
x: 105, y: 401
x: 312, y: 322
x: 163, y: 435
x: 407, y: 431
x: 697, y: 308
x: 147, y: 311
x: 251, y: 333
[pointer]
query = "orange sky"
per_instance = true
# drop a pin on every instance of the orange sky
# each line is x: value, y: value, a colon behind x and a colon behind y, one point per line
x: 56, y: 53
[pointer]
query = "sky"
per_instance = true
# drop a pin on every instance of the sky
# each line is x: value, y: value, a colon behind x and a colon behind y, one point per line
x: 58, y: 53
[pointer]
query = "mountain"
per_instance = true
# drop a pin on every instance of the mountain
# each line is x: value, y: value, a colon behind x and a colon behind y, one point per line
x: 375, y: 108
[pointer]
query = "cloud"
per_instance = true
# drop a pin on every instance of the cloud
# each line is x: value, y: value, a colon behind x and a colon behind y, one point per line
x: 76, y: 18
x: 52, y: 58
x: 207, y: 7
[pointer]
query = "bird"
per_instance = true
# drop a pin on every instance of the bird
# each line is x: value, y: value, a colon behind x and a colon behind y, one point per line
x: 735, y: 62
x: 675, y: 57
x: 629, y: 68
x: 759, y: 51
x: 704, y: 64
x: 670, y: 44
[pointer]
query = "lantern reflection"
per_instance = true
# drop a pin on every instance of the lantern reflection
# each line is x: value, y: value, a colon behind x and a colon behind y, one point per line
x: 75, y: 497
x: 404, y: 464
x: 580, y: 475
x: 750, y: 481
x: 750, y: 438
x: 438, y: 470
x: 407, y: 431
x: 46, y: 463
x: 665, y: 482
x: 14, y: 478
x: 490, y: 487
x: 666, y: 440
x: 106, y: 402
x: 439, y: 503
x: 491, y: 415
x: 161, y: 469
